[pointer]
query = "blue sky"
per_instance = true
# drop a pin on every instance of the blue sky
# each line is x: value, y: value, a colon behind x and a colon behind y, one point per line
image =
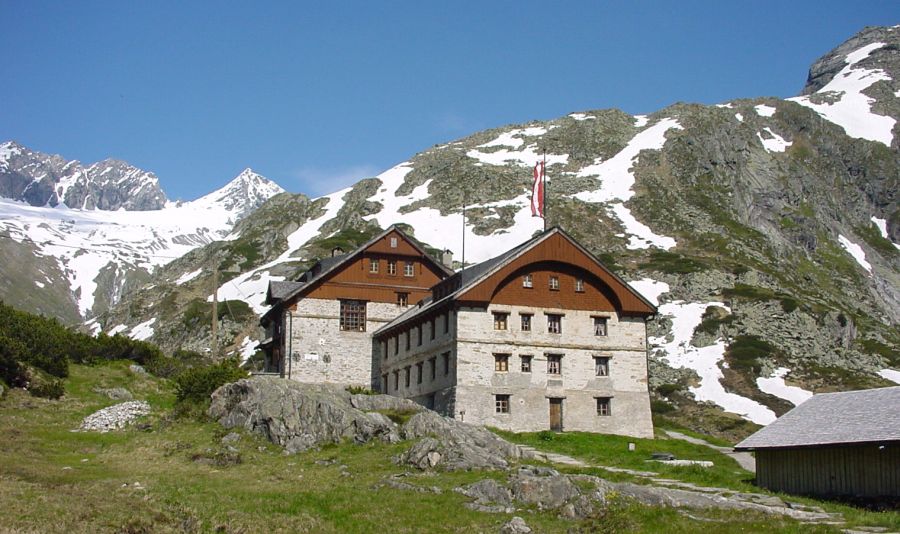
x: 316, y: 95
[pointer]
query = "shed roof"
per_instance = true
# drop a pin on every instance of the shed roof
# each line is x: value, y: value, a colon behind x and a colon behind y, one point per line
x: 871, y: 415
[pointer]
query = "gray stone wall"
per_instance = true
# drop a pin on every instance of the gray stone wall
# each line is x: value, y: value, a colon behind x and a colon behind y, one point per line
x: 320, y: 352
x: 577, y: 384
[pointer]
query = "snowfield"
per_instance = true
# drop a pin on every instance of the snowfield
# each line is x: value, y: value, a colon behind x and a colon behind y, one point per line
x: 775, y: 385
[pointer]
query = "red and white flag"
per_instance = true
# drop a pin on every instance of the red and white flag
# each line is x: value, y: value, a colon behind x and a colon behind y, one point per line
x: 537, y: 191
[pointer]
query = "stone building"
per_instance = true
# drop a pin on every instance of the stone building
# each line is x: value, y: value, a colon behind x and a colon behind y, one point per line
x: 319, y: 326
x: 540, y: 337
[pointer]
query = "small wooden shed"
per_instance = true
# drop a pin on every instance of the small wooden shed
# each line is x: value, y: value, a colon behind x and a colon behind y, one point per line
x: 834, y: 444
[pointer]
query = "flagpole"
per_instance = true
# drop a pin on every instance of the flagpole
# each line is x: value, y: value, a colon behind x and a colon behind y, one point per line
x: 544, y: 189
x: 463, y: 232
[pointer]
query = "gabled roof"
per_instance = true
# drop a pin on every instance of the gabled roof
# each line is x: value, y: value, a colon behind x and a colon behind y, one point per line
x: 466, y: 280
x: 324, y: 267
x: 278, y: 290
x: 871, y: 415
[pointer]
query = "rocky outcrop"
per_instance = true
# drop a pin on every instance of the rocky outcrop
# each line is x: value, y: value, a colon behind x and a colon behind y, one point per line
x: 297, y: 416
x: 304, y: 416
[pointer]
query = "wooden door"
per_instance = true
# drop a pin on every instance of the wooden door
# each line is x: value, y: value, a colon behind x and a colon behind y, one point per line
x: 556, y: 415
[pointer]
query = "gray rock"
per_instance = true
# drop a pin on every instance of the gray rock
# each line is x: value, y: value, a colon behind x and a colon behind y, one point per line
x: 115, y: 417
x: 516, y: 525
x: 137, y: 369
x: 546, y: 492
x: 371, y: 403
x: 231, y: 437
x: 454, y: 445
x: 487, y: 491
x: 115, y: 393
x: 296, y: 416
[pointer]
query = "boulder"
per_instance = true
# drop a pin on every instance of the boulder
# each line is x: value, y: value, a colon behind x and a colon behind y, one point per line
x: 454, y: 445
x: 296, y: 416
x: 372, y: 403
x: 516, y: 525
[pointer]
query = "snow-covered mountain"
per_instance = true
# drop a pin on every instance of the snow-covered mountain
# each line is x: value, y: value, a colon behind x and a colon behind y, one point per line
x: 100, y: 253
x: 48, y: 180
x: 766, y: 229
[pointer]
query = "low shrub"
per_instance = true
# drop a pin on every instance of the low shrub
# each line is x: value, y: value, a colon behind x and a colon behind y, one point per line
x: 195, y: 385
x: 659, y: 406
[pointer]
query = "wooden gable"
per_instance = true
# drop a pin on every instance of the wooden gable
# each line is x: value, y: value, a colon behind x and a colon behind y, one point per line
x: 557, y: 256
x: 355, y: 278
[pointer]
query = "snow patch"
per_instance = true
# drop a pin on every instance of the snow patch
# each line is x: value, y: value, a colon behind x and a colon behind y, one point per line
x: 187, y: 277
x: 882, y: 227
x: 143, y: 331
x: 650, y: 289
x: 739, y: 117
x: 39, y: 284
x: 856, y: 251
x: 890, y: 374
x: 513, y: 139
x: 726, y: 105
x: 852, y: 110
x: 582, y: 116
x: 775, y: 143
x: 641, y: 120
x: 764, y: 111
x: 247, y: 349
x: 775, y: 385
x: 679, y: 353
x: 117, y: 329
x: 616, y: 182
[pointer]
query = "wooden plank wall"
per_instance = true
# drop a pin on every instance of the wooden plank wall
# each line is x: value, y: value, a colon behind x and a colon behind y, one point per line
x: 864, y: 470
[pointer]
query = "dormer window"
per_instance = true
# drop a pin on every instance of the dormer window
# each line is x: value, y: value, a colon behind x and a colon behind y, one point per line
x: 527, y: 281
x: 393, y: 242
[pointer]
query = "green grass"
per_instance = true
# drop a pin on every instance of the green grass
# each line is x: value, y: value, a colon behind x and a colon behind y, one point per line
x: 55, y: 480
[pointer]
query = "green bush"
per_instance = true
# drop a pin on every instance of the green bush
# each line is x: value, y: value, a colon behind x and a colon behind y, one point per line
x: 659, y: 406
x: 667, y: 389
x: 745, y: 352
x: 195, y: 385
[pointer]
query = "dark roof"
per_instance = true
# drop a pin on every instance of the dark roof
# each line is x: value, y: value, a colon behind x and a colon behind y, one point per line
x: 871, y: 415
x: 278, y: 290
x: 470, y: 277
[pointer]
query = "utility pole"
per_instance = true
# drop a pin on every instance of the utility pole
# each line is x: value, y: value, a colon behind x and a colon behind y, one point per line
x: 215, y: 313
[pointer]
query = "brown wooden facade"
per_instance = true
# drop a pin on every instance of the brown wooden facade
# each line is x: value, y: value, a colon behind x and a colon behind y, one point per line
x: 866, y: 470
x: 355, y: 279
x: 558, y: 256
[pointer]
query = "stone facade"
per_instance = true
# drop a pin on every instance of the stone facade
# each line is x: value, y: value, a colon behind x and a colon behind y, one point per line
x: 469, y: 386
x: 320, y: 352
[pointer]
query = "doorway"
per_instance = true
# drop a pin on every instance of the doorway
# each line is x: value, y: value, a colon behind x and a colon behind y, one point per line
x: 556, y: 415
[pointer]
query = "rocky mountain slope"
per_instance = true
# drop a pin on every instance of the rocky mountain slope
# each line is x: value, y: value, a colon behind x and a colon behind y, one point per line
x: 766, y: 230
x: 77, y: 239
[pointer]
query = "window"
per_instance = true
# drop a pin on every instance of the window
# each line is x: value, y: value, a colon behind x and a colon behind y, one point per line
x: 403, y: 299
x: 433, y: 362
x: 527, y: 281
x: 446, y: 357
x: 384, y: 348
x: 501, y: 363
x: 433, y: 328
x: 397, y: 345
x: 396, y: 380
x: 419, y: 372
x: 526, y: 363
x: 601, y: 365
x: 501, y: 403
x: 600, y: 324
x: 353, y: 315
x: 408, y: 336
x: 447, y: 323
x: 554, y: 323
x: 373, y: 265
x: 393, y: 242
x: 579, y: 285
x: 392, y: 267
x: 384, y: 383
x: 409, y: 269
x: 500, y: 320
x: 408, y: 371
x: 526, y: 322
x: 603, y: 406
x: 554, y: 283
x: 419, y: 335
x: 554, y: 364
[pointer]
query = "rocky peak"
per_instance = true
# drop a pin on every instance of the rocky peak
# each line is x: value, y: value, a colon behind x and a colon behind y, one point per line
x: 246, y: 192
x: 883, y: 57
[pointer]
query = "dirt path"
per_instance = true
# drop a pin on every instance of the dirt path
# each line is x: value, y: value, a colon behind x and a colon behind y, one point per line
x: 744, y: 459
